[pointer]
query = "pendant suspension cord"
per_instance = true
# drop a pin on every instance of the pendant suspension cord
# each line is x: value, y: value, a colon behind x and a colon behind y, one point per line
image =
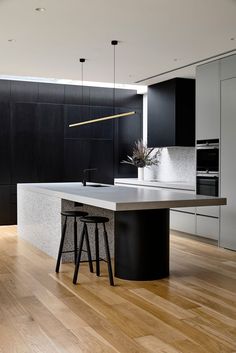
x: 82, y: 80
x: 114, y: 43
x: 114, y: 78
x: 82, y: 60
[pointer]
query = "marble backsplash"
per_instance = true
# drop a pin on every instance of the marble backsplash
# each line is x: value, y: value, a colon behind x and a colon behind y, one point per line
x: 176, y: 164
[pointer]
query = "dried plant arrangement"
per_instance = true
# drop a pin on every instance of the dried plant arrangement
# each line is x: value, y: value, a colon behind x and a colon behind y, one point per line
x: 142, y: 156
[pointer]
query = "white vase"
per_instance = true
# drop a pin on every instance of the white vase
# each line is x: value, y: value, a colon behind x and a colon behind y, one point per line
x: 140, y: 173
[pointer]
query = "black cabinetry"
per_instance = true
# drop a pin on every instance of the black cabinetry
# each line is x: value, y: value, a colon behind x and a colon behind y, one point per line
x: 36, y: 144
x: 7, y: 204
x: 50, y: 142
x: 5, y: 144
x: 171, y: 113
x: 86, y: 153
x: 24, y: 142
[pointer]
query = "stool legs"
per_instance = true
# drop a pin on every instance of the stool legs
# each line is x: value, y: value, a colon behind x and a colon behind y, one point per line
x: 88, y: 248
x: 97, y: 251
x: 108, y: 256
x: 79, y: 255
x: 84, y: 235
x: 61, y: 246
x: 75, y: 240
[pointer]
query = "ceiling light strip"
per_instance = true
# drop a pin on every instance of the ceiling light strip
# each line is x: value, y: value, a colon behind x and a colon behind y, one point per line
x: 103, y: 119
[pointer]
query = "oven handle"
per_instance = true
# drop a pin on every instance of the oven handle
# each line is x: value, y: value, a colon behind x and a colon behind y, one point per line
x: 212, y: 147
x: 208, y: 175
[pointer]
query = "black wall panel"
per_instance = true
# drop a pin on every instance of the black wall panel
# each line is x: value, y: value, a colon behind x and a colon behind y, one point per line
x: 7, y: 204
x: 5, y: 90
x: 24, y: 143
x: 50, y: 142
x: 85, y: 153
x: 77, y: 95
x: 22, y: 91
x: 5, y: 144
x: 36, y: 144
x: 51, y: 93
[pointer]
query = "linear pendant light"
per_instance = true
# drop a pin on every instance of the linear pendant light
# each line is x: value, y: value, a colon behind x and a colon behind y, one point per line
x: 114, y: 116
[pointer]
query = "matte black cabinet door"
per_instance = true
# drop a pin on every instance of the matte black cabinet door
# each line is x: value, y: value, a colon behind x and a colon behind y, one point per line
x: 81, y: 154
x: 76, y: 158
x: 161, y: 114
x: 24, y: 143
x: 171, y: 113
x: 7, y: 204
x: 5, y: 144
x: 127, y: 131
x: 101, y: 157
x: 50, y: 142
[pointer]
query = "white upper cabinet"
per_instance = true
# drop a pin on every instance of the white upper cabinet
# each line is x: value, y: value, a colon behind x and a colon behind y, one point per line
x: 208, y: 101
x: 228, y: 67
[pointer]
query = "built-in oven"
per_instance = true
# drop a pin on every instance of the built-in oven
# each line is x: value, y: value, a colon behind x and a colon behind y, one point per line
x: 208, y: 184
x: 208, y: 155
x: 208, y: 167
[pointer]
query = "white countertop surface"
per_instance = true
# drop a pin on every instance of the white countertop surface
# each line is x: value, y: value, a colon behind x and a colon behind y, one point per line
x: 122, y: 198
x: 180, y: 185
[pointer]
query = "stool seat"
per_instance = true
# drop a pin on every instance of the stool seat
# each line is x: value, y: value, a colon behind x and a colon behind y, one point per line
x: 94, y: 219
x: 74, y: 213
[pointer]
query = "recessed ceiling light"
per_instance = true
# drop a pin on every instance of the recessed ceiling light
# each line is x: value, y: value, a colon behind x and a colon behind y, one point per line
x: 40, y: 9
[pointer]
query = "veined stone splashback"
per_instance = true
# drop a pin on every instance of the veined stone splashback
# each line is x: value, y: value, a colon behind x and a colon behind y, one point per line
x: 176, y: 164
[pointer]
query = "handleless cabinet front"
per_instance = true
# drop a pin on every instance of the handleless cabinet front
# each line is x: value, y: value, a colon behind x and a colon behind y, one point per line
x: 208, y: 101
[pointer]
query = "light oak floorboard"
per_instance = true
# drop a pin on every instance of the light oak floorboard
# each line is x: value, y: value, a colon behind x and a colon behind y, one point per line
x: 192, y: 311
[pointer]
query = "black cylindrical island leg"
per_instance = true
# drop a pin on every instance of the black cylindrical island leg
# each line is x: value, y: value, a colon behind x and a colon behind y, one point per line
x: 142, y: 244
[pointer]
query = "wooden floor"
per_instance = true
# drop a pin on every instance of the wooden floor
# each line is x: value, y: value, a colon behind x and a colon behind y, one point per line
x: 192, y: 311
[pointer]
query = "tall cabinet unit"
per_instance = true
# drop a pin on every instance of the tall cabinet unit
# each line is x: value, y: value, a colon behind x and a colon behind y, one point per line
x: 216, y: 118
x: 228, y: 147
x: 207, y: 128
x: 7, y: 191
x: 208, y: 101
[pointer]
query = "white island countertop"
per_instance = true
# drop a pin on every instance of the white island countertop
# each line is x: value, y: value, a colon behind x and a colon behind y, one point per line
x: 119, y: 198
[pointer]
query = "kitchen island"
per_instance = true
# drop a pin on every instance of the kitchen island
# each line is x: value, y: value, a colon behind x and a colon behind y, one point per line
x: 139, y: 221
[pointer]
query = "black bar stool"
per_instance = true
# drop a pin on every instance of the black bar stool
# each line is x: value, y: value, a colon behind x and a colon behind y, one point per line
x: 75, y: 215
x: 94, y: 220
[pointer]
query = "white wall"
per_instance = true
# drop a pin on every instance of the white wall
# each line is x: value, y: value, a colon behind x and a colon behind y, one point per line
x: 176, y: 163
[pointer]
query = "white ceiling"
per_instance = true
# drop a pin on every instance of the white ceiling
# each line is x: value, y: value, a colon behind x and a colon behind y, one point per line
x: 152, y: 34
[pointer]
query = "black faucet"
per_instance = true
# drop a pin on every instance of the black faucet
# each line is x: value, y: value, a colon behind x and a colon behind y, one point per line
x: 84, y: 174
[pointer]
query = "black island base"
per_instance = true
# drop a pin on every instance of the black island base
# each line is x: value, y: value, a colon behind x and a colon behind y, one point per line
x: 142, y: 244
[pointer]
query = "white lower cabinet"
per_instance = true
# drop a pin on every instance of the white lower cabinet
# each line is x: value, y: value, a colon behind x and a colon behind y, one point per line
x: 183, y: 222
x: 213, y: 211
x: 207, y: 227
